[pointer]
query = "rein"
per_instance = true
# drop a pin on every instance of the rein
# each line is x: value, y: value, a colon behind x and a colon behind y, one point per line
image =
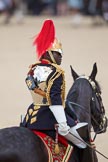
x: 83, y: 108
x: 90, y: 146
x: 93, y: 86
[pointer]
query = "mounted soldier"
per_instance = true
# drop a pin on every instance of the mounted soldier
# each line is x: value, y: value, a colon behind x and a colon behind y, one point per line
x: 46, y: 82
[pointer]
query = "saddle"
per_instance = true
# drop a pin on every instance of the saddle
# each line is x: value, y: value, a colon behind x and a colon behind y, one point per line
x: 58, y: 152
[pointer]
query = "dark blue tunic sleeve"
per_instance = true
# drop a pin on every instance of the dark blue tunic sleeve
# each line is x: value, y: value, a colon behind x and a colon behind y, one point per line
x: 55, y: 92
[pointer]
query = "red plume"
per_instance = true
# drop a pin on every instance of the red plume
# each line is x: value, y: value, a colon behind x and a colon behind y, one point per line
x: 45, y: 38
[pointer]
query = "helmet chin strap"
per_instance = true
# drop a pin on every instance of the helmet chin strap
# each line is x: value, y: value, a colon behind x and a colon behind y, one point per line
x: 52, y: 58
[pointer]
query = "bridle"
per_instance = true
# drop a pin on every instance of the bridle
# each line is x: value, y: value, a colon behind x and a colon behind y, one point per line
x: 95, y: 94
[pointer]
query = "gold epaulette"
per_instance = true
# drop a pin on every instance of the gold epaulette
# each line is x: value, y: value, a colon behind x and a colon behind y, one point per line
x: 59, y: 71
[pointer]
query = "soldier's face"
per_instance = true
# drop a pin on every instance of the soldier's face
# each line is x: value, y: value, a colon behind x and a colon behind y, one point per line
x: 58, y: 57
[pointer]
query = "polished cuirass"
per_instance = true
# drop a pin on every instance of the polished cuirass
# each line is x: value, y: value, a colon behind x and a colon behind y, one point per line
x: 40, y: 81
x: 40, y: 76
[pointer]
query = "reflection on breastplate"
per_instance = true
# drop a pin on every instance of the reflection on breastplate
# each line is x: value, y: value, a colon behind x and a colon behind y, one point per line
x: 40, y: 76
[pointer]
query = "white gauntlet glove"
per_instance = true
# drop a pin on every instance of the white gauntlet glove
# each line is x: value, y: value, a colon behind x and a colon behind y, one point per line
x: 59, y: 114
x: 64, y: 129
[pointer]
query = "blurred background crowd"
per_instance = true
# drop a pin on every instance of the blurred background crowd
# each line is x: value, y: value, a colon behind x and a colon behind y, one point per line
x: 76, y: 8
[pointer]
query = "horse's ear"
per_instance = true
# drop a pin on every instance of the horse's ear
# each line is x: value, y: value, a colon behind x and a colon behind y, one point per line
x: 74, y: 74
x: 94, y: 72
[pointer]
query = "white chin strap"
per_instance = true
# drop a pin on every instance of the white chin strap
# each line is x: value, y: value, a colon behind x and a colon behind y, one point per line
x: 51, y: 56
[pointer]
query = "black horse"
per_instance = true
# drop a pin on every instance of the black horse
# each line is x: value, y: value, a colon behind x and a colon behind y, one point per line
x: 19, y: 144
x: 84, y: 100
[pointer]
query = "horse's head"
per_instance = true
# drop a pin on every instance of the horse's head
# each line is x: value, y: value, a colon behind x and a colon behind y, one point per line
x: 87, y: 93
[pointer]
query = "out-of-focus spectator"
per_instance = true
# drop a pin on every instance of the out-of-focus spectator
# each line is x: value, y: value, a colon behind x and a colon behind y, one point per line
x: 37, y: 7
x: 105, y: 10
x: 54, y: 7
x: 85, y: 7
x: 95, y: 10
x: 62, y: 7
x: 34, y: 7
x: 49, y: 7
x: 99, y: 7
x: 2, y: 6
x: 92, y: 7
x: 7, y: 7
x: 20, y: 10
x: 75, y: 6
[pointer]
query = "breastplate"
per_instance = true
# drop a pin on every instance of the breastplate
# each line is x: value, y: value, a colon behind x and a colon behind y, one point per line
x: 40, y: 76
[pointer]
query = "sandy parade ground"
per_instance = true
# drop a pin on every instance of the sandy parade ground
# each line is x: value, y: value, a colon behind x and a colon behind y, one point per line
x: 82, y: 46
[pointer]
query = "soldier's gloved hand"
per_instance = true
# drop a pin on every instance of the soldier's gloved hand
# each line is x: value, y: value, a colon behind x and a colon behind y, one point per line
x: 59, y: 114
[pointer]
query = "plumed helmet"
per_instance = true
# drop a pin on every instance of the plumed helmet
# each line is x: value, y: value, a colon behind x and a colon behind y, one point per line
x: 46, y: 40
